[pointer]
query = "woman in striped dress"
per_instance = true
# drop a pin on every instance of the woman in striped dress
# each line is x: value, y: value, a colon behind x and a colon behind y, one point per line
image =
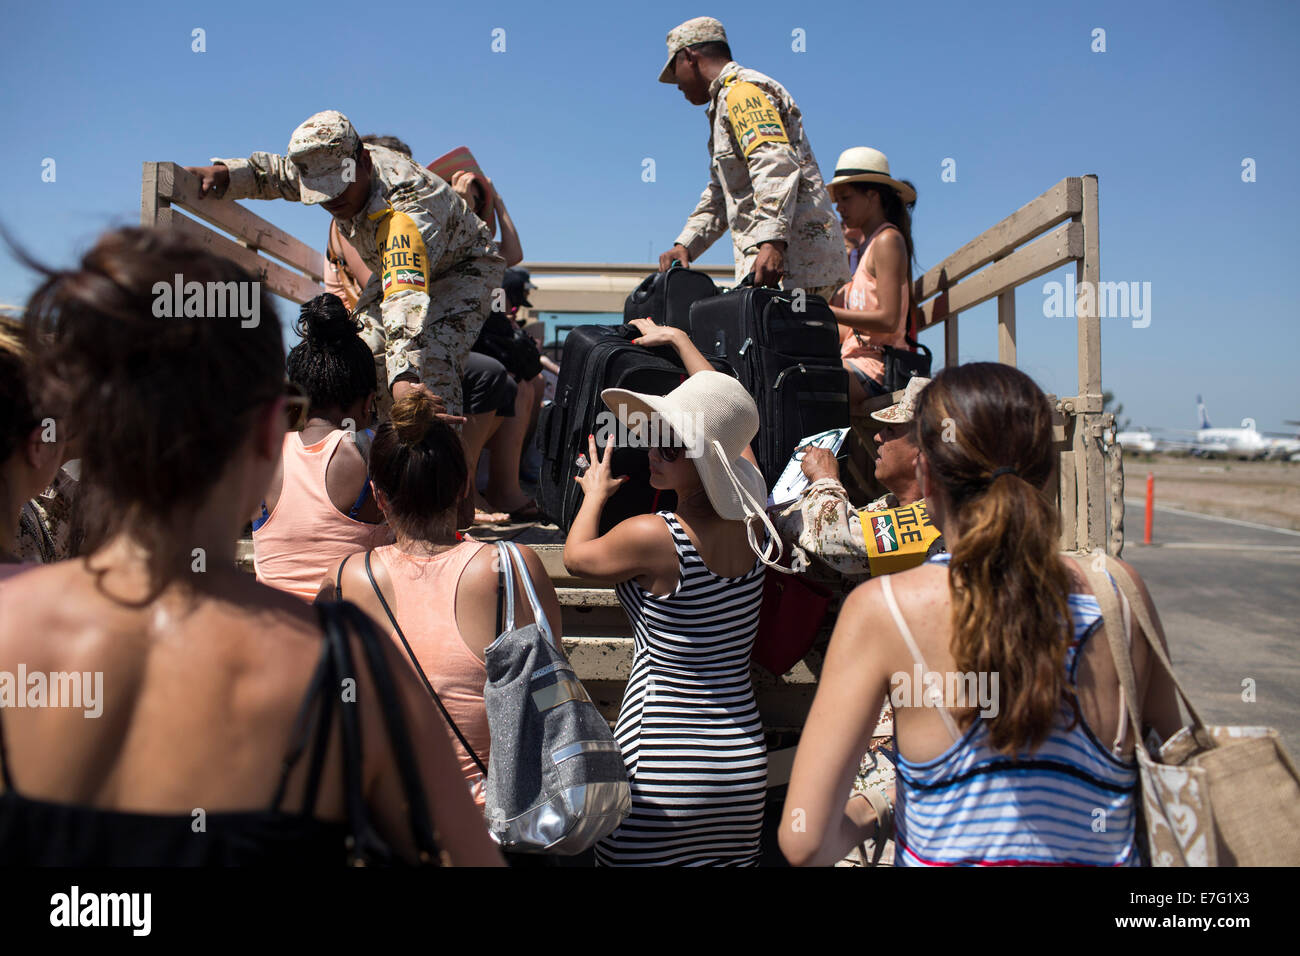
x: 689, y: 727
x: 1012, y: 735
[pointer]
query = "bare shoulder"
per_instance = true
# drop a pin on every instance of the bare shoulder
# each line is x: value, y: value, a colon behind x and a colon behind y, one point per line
x: 649, y: 529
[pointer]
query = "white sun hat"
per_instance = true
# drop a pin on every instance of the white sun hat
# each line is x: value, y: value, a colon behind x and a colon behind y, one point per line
x: 715, y: 418
x: 862, y: 164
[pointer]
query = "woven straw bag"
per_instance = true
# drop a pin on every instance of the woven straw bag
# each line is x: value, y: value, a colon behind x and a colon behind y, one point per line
x: 1211, y: 795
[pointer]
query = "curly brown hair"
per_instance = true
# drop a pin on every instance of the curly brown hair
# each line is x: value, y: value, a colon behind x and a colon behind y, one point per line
x: 985, y: 429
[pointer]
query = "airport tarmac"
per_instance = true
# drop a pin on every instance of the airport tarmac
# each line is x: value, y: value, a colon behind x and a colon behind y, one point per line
x: 1228, y: 593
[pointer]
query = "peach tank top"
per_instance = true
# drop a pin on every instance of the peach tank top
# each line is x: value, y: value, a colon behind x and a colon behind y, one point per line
x: 863, y: 348
x: 306, y: 536
x: 425, y: 588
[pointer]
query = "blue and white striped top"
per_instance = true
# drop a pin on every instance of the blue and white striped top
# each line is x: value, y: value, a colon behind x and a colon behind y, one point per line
x: 1068, y: 803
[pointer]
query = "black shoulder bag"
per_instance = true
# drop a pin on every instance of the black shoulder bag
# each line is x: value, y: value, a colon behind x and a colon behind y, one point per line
x: 365, y: 846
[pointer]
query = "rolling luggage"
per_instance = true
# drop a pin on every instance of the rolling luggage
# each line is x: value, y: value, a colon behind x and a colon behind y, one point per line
x: 788, y: 360
x: 667, y: 296
x: 597, y: 357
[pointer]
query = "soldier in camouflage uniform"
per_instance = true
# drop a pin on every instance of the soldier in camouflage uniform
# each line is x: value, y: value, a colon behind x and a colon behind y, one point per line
x: 764, y: 184
x: 434, y: 262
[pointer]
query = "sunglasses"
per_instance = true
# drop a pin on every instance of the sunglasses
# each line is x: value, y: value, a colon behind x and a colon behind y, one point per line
x: 671, y: 449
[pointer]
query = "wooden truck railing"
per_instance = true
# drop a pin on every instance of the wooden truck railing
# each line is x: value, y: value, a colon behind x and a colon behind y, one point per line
x: 1056, y: 228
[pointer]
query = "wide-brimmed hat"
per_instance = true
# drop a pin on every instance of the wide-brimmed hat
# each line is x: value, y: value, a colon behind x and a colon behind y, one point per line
x: 904, y: 410
x: 698, y: 30
x: 862, y: 164
x: 318, y: 148
x: 715, y: 418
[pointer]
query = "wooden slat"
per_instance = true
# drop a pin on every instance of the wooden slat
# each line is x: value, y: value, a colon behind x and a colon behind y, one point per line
x: 1084, y: 493
x: 1089, y: 434
x: 149, y: 196
x: 1063, y: 245
x: 1088, y: 269
x: 1007, y: 327
x: 628, y: 269
x: 278, y: 279
x: 950, y: 341
x: 1068, y: 503
x: 560, y: 300
x: 180, y: 188
x: 1058, y: 204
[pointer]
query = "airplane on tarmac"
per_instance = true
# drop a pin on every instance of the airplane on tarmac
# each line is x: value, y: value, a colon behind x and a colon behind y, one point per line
x: 1139, y: 441
x: 1208, y: 441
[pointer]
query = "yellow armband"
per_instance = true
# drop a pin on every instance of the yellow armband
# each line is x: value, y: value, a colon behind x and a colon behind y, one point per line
x: 754, y: 118
x: 405, y: 262
x: 897, y: 538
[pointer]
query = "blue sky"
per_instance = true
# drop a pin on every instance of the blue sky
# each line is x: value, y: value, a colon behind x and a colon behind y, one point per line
x: 563, y: 119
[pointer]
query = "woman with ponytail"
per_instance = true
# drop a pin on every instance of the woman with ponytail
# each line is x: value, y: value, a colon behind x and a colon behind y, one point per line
x: 1009, y: 726
x: 436, y: 595
x: 318, y: 506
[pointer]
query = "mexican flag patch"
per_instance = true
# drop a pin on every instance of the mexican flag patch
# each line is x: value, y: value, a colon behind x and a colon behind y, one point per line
x: 897, y: 538
x: 886, y: 535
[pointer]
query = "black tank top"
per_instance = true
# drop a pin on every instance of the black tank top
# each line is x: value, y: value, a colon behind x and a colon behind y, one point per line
x: 43, y: 833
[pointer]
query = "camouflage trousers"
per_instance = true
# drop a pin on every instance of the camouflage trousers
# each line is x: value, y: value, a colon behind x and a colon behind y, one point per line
x: 450, y: 317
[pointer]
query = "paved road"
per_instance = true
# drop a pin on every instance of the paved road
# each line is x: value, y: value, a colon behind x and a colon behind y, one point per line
x: 1229, y: 598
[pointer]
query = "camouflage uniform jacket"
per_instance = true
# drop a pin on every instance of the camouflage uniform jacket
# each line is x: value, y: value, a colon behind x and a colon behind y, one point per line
x: 50, y: 527
x: 413, y: 230
x: 764, y: 183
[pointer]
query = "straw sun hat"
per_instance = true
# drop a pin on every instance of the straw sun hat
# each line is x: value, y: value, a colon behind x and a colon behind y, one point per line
x: 862, y: 164
x: 715, y: 418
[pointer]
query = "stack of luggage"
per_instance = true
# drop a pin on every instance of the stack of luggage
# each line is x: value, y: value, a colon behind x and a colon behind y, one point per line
x: 783, y: 347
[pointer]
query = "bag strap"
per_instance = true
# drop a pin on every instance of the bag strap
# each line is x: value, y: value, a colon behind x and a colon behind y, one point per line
x: 534, y: 602
x: 754, y: 512
x: 501, y: 584
x: 504, y: 561
x: 417, y: 805
x: 1152, y: 632
x: 420, y: 670
x: 364, y: 843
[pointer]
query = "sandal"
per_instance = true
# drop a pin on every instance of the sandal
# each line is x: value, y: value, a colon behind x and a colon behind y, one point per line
x: 528, y: 511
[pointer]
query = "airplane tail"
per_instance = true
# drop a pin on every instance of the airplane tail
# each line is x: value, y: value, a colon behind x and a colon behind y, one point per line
x: 1203, y: 417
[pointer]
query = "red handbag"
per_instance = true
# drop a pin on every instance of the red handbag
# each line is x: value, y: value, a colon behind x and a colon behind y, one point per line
x: 788, y: 621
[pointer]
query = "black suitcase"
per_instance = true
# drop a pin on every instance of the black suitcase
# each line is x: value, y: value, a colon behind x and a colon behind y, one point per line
x: 788, y: 360
x: 666, y: 297
x: 597, y: 357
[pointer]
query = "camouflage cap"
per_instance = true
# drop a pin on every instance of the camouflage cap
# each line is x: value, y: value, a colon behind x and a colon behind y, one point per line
x: 902, y: 411
x: 318, y: 149
x: 698, y: 30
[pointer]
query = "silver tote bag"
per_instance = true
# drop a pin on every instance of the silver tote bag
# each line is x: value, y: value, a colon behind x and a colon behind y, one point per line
x: 556, y: 781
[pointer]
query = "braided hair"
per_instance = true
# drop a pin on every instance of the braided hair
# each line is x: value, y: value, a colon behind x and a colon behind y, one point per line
x: 332, y: 363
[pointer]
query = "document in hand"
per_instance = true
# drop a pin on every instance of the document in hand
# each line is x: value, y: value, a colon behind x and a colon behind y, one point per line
x: 793, y: 481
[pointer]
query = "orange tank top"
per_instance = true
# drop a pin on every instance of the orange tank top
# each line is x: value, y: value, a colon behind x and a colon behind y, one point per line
x: 425, y: 587
x: 306, y: 536
x: 863, y: 348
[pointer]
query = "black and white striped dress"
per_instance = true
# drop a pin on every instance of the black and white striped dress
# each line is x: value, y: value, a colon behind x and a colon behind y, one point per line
x: 689, y: 726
